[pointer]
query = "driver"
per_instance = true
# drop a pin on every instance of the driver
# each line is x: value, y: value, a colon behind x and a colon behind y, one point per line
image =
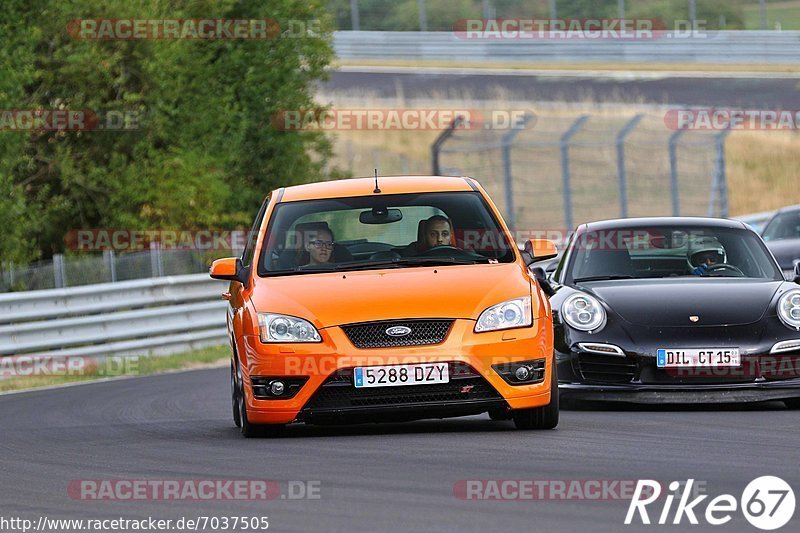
x: 438, y: 231
x: 705, y: 253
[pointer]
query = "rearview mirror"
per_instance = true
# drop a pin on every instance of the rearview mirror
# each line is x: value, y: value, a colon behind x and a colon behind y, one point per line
x: 228, y: 268
x: 541, y: 249
x: 380, y: 215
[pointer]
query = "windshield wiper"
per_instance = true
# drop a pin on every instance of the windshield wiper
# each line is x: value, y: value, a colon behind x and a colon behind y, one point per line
x: 603, y: 278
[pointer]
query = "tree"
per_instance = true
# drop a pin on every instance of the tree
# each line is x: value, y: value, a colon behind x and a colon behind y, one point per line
x: 203, y: 152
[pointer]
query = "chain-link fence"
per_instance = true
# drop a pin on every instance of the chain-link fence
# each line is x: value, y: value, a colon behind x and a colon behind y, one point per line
x: 84, y: 269
x: 554, y: 172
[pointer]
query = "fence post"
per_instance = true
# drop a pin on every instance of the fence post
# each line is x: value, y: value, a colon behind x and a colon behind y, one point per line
x: 108, y: 257
x: 58, y: 271
x: 720, y: 179
x: 623, y: 178
x: 156, y: 266
x: 507, y: 141
x: 440, y: 140
x: 565, y: 177
x: 673, y: 171
x: 354, y: 18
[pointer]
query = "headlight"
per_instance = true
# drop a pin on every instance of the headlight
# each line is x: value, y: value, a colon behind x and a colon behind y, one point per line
x: 583, y: 312
x: 789, y: 308
x: 514, y: 313
x: 282, y: 328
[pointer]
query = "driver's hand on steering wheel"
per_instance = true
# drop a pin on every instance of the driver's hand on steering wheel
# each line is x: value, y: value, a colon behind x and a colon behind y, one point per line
x: 701, y: 270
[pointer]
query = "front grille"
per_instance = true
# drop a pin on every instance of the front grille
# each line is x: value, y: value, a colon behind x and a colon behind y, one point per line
x: 606, y: 369
x: 338, y: 392
x: 373, y: 334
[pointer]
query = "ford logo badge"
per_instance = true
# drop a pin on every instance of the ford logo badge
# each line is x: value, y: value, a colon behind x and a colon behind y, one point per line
x: 398, y: 331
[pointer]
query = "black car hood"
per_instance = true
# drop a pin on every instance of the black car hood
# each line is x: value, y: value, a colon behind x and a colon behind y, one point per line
x: 785, y: 251
x: 670, y: 302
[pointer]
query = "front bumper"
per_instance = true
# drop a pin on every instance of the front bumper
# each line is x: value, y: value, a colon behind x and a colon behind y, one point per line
x: 336, y: 355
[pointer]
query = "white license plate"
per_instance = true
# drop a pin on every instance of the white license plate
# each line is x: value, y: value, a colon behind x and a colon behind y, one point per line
x: 694, y: 357
x: 397, y: 375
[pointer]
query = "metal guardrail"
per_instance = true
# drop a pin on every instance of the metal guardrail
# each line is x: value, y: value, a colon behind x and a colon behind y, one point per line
x: 141, y: 317
x: 718, y: 47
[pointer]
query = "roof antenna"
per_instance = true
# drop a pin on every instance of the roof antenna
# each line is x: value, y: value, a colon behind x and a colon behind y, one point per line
x: 377, y: 189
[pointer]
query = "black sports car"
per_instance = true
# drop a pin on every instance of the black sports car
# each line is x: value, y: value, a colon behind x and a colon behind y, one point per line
x: 673, y: 310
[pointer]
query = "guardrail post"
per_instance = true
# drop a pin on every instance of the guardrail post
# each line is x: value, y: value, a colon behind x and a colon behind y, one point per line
x: 440, y: 140
x: 111, y: 264
x: 719, y: 180
x: 58, y: 271
x: 565, y: 176
x: 623, y: 178
x: 507, y: 141
x: 156, y: 265
x: 673, y: 172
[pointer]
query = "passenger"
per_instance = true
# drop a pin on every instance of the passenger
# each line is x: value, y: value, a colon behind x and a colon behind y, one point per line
x: 437, y: 231
x: 319, y: 247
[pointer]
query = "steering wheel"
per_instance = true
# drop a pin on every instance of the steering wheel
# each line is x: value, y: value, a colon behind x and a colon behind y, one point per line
x: 446, y: 250
x: 724, y: 267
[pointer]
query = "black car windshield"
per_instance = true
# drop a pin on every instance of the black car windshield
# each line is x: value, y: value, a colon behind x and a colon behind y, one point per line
x: 386, y: 231
x: 668, y: 252
x: 783, y: 226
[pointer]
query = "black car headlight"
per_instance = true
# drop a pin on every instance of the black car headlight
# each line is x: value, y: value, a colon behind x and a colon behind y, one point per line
x: 583, y: 312
x: 789, y: 309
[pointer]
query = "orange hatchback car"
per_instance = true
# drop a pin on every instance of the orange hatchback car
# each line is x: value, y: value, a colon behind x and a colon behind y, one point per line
x: 387, y: 299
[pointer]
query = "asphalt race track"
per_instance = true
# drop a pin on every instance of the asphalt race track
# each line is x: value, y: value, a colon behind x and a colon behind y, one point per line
x: 756, y: 91
x: 396, y: 477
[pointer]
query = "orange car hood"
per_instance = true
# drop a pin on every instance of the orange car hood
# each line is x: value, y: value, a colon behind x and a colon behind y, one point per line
x: 426, y: 292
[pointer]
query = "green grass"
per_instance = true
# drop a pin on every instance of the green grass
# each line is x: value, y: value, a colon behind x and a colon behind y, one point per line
x: 787, y: 13
x: 142, y: 366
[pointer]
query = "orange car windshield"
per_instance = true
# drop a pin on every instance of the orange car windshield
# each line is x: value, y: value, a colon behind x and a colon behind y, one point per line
x: 403, y: 230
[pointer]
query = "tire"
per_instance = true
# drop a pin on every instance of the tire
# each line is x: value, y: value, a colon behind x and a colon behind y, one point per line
x: 545, y: 417
x: 235, y: 391
x: 792, y: 403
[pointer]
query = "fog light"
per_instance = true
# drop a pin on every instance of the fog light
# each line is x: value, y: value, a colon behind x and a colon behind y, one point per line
x: 521, y: 372
x: 277, y: 388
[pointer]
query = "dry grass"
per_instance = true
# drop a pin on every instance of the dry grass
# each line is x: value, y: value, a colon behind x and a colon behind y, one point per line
x: 763, y: 170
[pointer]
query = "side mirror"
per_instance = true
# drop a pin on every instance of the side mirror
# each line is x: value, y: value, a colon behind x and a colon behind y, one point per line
x: 541, y: 249
x: 228, y: 268
x: 544, y: 283
x: 797, y: 273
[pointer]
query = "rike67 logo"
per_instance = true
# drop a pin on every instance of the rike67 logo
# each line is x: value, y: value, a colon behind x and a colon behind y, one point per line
x: 767, y: 503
